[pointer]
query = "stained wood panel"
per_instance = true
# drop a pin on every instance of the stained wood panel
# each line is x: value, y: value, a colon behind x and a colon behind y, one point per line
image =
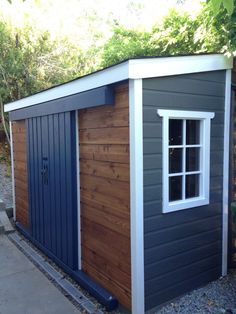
x: 20, y: 172
x: 108, y: 153
x: 105, y: 195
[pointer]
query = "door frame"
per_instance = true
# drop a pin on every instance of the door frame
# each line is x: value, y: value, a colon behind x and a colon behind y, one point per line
x: 78, y: 187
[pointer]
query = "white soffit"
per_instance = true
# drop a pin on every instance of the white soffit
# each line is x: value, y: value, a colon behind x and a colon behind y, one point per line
x: 132, y: 69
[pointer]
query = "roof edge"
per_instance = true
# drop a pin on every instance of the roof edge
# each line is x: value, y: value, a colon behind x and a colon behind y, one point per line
x: 131, y: 69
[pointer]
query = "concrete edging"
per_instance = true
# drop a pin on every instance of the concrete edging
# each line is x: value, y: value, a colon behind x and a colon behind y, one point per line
x: 76, y: 295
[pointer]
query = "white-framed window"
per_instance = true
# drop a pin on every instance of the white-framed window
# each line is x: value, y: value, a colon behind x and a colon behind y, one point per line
x: 186, y: 158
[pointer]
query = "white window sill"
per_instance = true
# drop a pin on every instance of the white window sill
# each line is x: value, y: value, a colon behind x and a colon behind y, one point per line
x: 180, y: 205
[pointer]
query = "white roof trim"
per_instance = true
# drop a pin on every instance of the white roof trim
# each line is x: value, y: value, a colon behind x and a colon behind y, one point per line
x: 132, y: 69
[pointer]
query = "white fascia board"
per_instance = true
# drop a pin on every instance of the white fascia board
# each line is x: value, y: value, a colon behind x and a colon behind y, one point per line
x: 158, y: 67
x: 115, y: 74
x: 132, y: 69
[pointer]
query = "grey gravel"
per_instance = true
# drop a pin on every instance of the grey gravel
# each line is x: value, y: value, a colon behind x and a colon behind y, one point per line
x: 218, y: 297
x: 5, y: 184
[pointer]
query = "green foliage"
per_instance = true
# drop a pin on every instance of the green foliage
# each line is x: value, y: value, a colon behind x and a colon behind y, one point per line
x: 125, y: 44
x: 31, y: 60
x: 227, y: 4
x: 178, y: 34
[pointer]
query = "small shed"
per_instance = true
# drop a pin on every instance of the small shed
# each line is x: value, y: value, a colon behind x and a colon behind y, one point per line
x: 121, y: 176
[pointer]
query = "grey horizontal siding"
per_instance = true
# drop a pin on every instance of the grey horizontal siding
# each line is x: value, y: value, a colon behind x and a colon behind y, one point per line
x: 175, y: 290
x: 182, y: 250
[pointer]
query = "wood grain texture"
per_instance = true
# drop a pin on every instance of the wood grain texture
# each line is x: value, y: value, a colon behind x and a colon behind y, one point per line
x: 20, y: 172
x: 105, y: 195
x: 106, y: 152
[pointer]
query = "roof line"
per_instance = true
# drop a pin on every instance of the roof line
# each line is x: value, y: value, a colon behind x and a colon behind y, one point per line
x: 132, y: 69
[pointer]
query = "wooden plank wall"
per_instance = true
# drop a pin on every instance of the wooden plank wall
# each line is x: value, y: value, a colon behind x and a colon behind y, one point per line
x: 20, y: 172
x: 105, y: 195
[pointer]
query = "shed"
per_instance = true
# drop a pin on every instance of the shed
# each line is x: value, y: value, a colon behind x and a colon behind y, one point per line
x: 121, y: 176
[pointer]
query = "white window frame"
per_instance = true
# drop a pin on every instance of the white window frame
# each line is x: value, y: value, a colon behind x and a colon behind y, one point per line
x: 205, y: 130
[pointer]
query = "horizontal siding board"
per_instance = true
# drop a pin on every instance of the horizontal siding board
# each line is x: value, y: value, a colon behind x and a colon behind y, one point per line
x: 183, y: 85
x: 152, y: 208
x: 181, y: 260
x: 181, y: 231
x: 101, y: 234
x: 181, y: 246
x: 216, y: 76
x: 184, y: 286
x: 161, y: 99
x: 153, y: 130
x: 105, y: 169
x: 107, y: 218
x: 152, y: 193
x: 175, y: 236
x: 121, y: 294
x: 152, y: 177
x: 98, y: 200
x: 112, y: 117
x: 119, y: 135
x: 106, y: 152
x: 161, y: 222
x: 151, y: 161
x: 107, y: 267
x: 117, y: 190
x: 152, y: 145
x: 172, y: 278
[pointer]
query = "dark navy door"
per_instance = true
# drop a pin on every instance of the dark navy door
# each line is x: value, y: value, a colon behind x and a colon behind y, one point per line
x: 52, y: 188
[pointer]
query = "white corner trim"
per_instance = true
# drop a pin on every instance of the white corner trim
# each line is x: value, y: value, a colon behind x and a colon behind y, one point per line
x: 225, y: 204
x: 13, y: 174
x: 136, y: 195
x: 132, y: 69
x: 78, y: 187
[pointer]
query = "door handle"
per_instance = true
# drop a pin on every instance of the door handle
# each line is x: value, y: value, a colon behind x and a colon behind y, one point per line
x: 44, y: 171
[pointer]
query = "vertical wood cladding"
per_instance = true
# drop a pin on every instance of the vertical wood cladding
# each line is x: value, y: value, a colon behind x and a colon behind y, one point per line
x: 105, y: 195
x: 20, y: 172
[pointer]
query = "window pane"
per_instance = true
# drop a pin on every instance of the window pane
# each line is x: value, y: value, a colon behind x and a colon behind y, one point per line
x: 192, y: 132
x: 175, y: 132
x: 192, y: 185
x: 192, y: 159
x: 175, y: 188
x: 175, y: 160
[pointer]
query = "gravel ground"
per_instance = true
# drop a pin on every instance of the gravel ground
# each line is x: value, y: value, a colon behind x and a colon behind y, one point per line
x: 217, y: 297
x: 5, y: 184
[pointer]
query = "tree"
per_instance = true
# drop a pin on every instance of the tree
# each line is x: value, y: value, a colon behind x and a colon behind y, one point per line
x: 218, y: 4
x: 30, y: 61
x: 178, y: 33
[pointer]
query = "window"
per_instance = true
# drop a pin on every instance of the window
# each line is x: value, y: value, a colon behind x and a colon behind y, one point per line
x: 186, y: 158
